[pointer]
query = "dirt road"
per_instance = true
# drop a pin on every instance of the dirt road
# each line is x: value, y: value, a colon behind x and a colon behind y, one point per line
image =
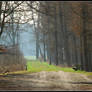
x: 42, y: 81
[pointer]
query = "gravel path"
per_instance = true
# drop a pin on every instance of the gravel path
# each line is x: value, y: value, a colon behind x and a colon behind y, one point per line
x: 50, y: 81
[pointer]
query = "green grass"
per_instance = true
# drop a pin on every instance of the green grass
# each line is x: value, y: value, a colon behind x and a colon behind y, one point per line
x: 37, y: 66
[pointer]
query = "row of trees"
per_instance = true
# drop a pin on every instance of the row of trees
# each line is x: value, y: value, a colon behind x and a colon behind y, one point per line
x: 62, y: 29
x: 65, y: 32
x: 10, y: 19
x: 12, y: 15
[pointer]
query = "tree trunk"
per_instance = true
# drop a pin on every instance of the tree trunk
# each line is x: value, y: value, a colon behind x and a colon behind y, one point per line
x: 84, y: 17
x: 56, y: 41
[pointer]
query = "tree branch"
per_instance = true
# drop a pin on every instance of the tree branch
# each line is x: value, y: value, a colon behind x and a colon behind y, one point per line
x: 13, y: 9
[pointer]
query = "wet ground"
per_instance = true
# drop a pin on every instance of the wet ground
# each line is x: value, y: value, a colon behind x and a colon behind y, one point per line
x: 50, y: 81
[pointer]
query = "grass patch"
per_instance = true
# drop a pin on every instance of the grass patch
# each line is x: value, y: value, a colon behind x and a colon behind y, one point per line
x: 37, y: 66
x: 16, y: 72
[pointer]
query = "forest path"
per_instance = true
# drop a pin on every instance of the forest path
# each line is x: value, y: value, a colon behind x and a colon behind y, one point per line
x: 42, y: 81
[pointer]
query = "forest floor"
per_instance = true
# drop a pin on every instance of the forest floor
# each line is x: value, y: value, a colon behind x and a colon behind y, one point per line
x: 46, y: 81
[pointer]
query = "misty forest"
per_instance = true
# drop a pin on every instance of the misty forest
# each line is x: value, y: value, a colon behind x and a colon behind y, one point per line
x: 46, y: 45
